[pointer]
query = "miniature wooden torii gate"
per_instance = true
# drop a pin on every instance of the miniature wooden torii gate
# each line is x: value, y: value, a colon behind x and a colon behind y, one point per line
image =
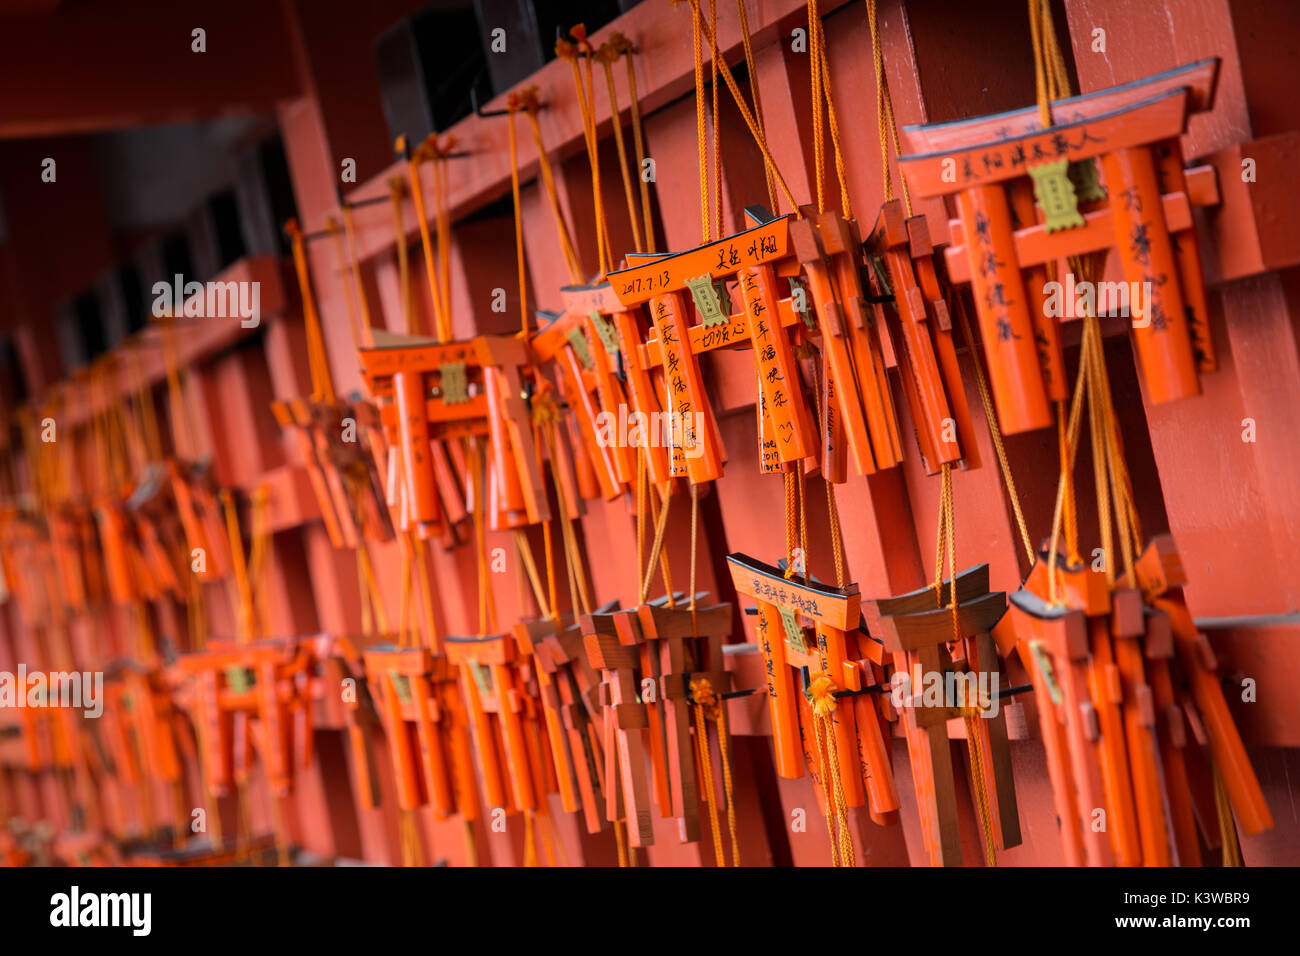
x: 664, y: 283
x: 1145, y: 214
x: 648, y: 657
x: 235, y: 683
x: 1116, y: 721
x: 858, y: 413
x: 504, y: 717
x: 588, y: 373
x: 840, y: 651
x: 568, y: 690
x: 918, y: 630
x: 431, y: 393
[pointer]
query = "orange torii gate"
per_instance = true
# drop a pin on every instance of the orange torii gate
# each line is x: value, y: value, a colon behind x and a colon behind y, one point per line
x: 1124, y: 681
x: 588, y: 372
x: 568, y: 690
x: 234, y: 684
x: 1144, y: 214
x: 431, y: 394
x: 425, y: 723
x: 517, y: 769
x: 648, y: 657
x: 841, y: 651
x: 663, y: 283
x: 918, y: 631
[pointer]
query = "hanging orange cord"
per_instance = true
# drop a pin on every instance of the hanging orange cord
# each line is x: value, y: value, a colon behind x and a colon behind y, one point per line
x: 527, y: 102
x: 396, y: 190
x: 355, y: 264
x: 317, y: 359
x: 709, y: 706
x: 372, y: 607
x: 741, y: 105
x: 441, y: 322
x: 886, y: 122
x: 332, y: 227
x: 822, y: 691
x: 243, y: 593
x: 608, y: 54
x: 512, y: 107
x: 638, y: 138
x: 584, y: 88
x: 718, y: 217
x: 146, y: 409
x: 754, y: 86
x: 442, y: 196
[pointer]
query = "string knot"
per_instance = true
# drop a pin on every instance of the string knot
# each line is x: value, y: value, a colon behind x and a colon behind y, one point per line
x: 606, y: 53
x: 619, y: 43
x: 443, y: 148
x: 529, y: 100
x: 822, y: 692
x: 702, y: 693
x: 545, y: 409
x: 566, y: 50
x: 579, y: 33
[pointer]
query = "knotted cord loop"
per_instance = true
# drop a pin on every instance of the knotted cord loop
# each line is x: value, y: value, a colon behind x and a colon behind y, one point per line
x: 821, y: 691
x: 709, y: 707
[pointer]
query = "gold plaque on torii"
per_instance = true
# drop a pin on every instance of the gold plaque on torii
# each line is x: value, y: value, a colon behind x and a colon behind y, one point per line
x: 1055, y: 194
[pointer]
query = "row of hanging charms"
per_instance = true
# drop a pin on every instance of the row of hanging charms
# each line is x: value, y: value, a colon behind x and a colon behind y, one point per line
x: 941, y: 633
x: 663, y: 677
x: 821, y: 656
x: 549, y: 646
x: 461, y: 448
x: 660, y: 357
x: 477, y: 695
x: 451, y: 412
x: 600, y: 765
x: 1123, y: 681
x: 162, y: 517
x: 489, y: 408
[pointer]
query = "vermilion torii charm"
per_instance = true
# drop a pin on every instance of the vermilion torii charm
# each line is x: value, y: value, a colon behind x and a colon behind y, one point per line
x: 839, y: 651
x: 919, y: 632
x: 1132, y: 132
x: 665, y: 283
x: 479, y: 392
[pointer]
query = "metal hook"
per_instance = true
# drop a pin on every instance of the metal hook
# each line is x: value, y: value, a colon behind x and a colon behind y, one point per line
x: 479, y: 111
